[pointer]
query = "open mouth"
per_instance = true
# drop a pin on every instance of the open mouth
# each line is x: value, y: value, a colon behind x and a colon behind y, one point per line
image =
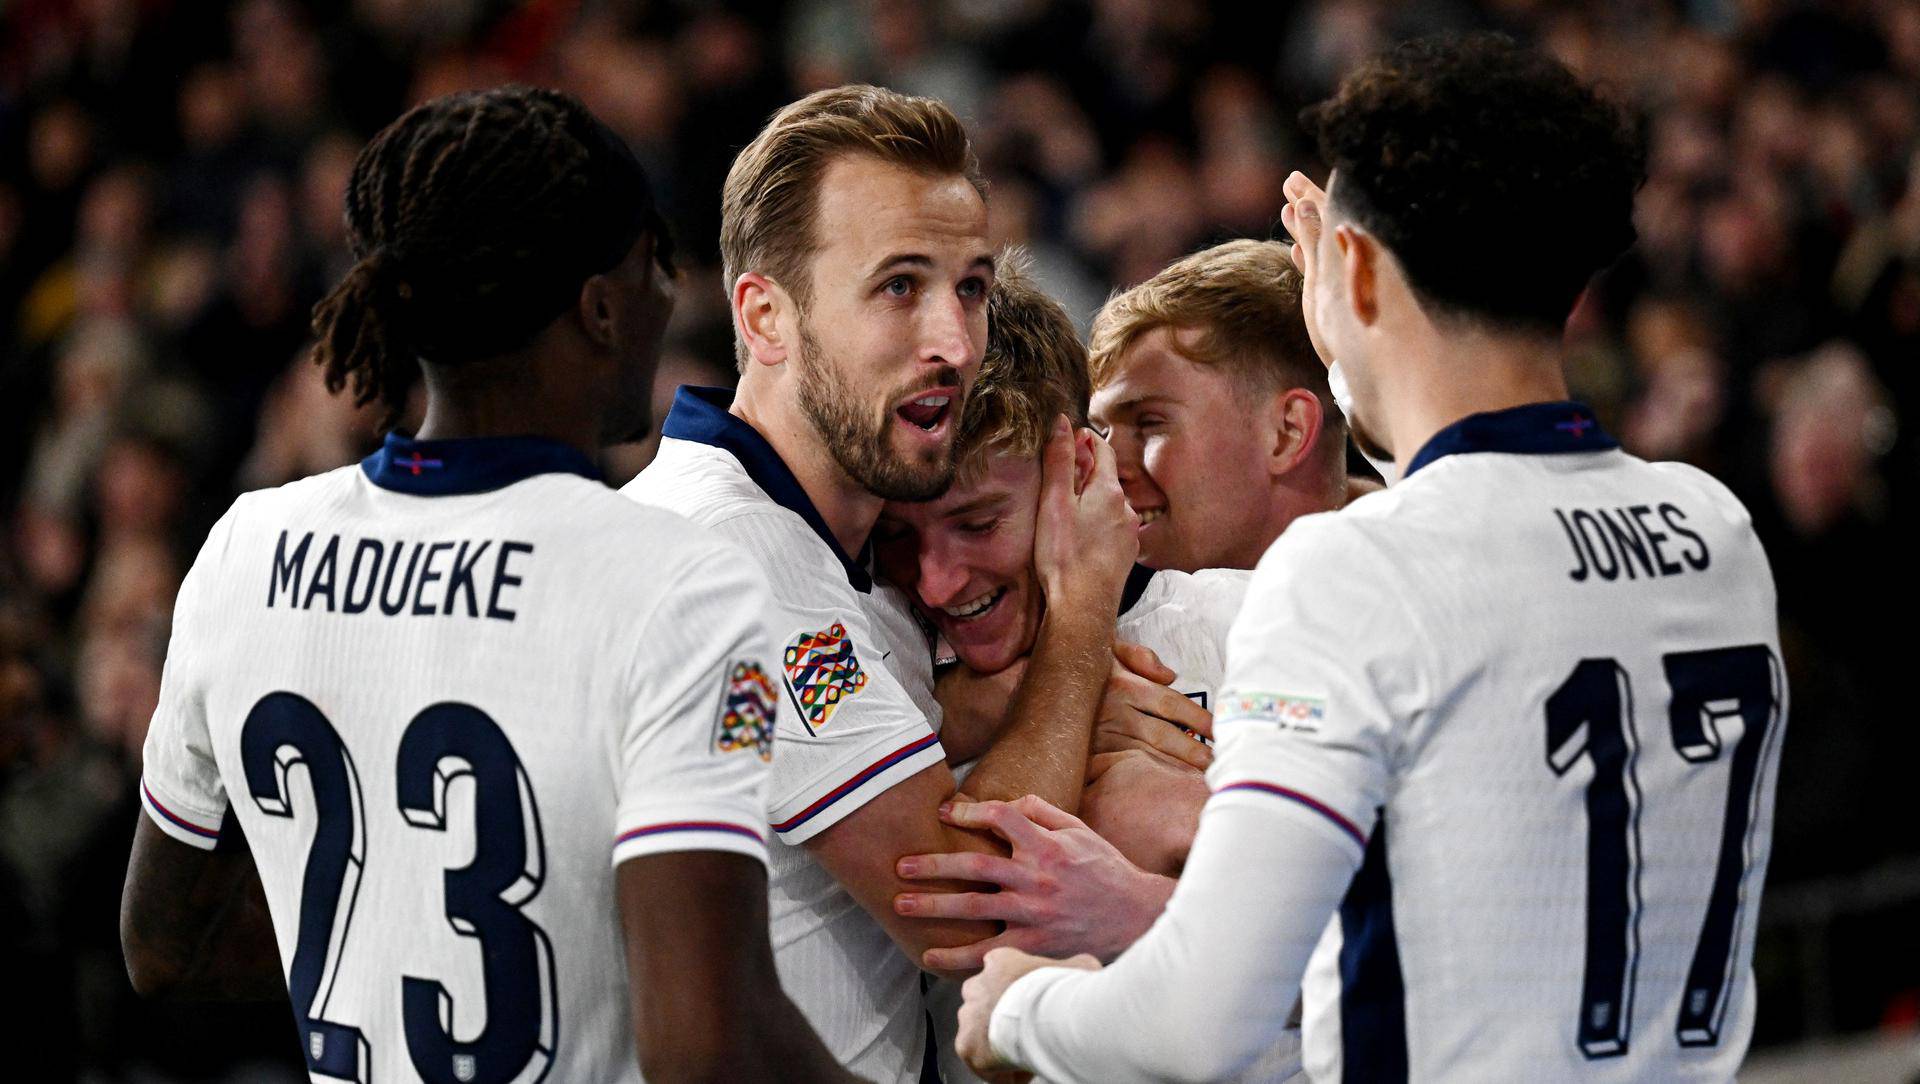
x: 977, y: 608
x: 927, y: 410
x: 1150, y: 515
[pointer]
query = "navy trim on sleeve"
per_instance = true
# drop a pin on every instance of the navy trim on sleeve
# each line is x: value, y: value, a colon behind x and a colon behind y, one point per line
x: 444, y: 468
x: 1533, y: 429
x: 701, y: 415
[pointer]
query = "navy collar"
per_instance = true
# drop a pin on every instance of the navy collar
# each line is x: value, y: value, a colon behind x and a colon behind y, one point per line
x: 700, y: 415
x: 1137, y: 581
x: 1533, y: 429
x: 444, y: 468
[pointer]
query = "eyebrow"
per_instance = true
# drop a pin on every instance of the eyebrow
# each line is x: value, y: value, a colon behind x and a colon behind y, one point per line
x: 983, y: 261
x: 1138, y: 401
x: 978, y: 504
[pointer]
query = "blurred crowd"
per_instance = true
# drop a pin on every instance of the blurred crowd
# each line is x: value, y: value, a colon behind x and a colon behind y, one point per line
x: 171, y: 178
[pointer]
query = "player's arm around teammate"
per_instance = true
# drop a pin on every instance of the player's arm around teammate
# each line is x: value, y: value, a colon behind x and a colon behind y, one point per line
x: 1085, y: 537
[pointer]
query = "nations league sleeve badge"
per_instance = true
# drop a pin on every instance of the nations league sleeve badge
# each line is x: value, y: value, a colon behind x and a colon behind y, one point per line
x: 823, y: 671
x: 746, y: 711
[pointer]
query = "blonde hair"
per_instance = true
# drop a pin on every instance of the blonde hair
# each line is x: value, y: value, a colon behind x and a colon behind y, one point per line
x: 768, y: 204
x: 1035, y: 370
x: 1243, y: 297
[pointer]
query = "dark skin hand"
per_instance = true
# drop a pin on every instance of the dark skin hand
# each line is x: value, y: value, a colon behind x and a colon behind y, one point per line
x: 194, y: 924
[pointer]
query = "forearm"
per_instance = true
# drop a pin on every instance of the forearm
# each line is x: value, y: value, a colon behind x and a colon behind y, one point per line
x: 198, y: 929
x: 1043, y: 748
x: 1211, y: 985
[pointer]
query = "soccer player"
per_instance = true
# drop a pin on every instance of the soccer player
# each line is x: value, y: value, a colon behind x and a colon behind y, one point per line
x: 503, y: 784
x: 1145, y: 789
x: 1515, y: 721
x: 966, y: 560
x: 854, y: 239
x: 1207, y: 386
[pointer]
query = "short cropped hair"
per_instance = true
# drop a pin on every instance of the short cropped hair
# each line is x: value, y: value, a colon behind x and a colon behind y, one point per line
x: 1035, y: 370
x: 1242, y: 298
x: 768, y: 204
x: 1499, y: 181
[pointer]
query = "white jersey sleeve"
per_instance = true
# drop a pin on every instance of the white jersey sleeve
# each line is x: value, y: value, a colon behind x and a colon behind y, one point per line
x: 852, y: 731
x: 1189, y: 1001
x: 180, y: 785
x: 1318, y: 673
x: 696, y: 749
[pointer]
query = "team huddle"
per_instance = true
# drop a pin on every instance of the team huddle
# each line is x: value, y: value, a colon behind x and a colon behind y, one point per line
x: 957, y: 700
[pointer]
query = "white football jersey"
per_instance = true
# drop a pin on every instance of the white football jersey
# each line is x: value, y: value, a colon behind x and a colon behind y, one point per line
x: 1182, y: 617
x: 853, y: 731
x: 442, y: 700
x: 1538, y: 681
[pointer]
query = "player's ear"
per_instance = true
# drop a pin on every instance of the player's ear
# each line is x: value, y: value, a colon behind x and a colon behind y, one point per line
x: 759, y: 306
x: 1295, y: 419
x: 1360, y: 267
x: 596, y: 311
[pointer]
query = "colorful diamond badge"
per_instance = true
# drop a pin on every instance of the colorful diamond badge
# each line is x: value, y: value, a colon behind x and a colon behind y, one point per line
x: 747, y: 711
x: 824, y: 671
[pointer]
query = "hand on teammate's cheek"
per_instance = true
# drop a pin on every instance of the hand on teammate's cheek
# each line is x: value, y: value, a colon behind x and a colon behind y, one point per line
x: 1085, y: 539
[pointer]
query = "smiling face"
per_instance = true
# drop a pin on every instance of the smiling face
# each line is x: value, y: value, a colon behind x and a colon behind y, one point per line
x: 966, y: 559
x: 1191, y: 453
x: 894, y: 322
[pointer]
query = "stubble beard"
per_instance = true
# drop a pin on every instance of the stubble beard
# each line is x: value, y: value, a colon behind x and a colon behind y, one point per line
x: 861, y: 449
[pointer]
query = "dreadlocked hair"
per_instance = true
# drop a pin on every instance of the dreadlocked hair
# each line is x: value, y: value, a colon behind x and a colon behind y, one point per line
x: 474, y: 220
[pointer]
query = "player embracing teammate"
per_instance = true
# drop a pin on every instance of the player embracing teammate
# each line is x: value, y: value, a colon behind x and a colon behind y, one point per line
x: 1496, y: 747
x: 1513, y: 724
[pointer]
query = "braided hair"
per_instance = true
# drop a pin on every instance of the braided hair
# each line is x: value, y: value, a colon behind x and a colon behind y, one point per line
x: 475, y: 218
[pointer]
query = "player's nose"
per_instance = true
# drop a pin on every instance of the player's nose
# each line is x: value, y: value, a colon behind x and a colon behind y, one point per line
x: 947, y: 333
x: 940, y: 580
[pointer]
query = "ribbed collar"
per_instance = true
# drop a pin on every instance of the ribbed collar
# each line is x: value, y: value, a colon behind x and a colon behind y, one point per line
x: 1533, y: 429
x: 700, y: 415
x: 444, y: 468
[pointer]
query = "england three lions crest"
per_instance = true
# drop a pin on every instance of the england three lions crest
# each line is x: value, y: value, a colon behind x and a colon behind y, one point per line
x: 747, y: 711
x: 823, y: 671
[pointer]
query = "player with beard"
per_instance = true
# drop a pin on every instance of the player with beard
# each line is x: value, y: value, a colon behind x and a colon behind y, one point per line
x: 1108, y: 876
x: 854, y: 242
x: 965, y: 559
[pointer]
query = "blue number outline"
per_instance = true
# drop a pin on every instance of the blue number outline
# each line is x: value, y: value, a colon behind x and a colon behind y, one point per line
x: 443, y: 742
x: 283, y: 730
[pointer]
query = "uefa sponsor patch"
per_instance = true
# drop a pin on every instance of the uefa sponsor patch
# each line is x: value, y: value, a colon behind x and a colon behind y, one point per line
x: 824, y: 671
x: 1289, y: 711
x: 747, y: 711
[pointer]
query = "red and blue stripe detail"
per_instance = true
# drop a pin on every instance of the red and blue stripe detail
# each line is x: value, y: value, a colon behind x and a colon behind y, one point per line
x: 851, y: 785
x: 1307, y: 800
x: 174, y: 818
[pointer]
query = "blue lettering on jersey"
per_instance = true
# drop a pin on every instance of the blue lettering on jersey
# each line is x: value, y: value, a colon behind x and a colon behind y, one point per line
x: 423, y: 579
x: 1610, y: 543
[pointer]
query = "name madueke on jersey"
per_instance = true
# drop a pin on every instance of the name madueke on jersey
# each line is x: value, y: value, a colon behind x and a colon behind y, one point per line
x: 368, y: 587
x: 1603, y: 539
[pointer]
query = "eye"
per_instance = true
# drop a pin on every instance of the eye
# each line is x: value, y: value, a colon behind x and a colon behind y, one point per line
x: 977, y: 527
x: 973, y: 288
x: 897, y: 286
x: 1149, y: 422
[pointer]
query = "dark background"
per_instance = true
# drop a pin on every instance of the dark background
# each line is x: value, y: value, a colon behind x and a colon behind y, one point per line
x: 171, y: 174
